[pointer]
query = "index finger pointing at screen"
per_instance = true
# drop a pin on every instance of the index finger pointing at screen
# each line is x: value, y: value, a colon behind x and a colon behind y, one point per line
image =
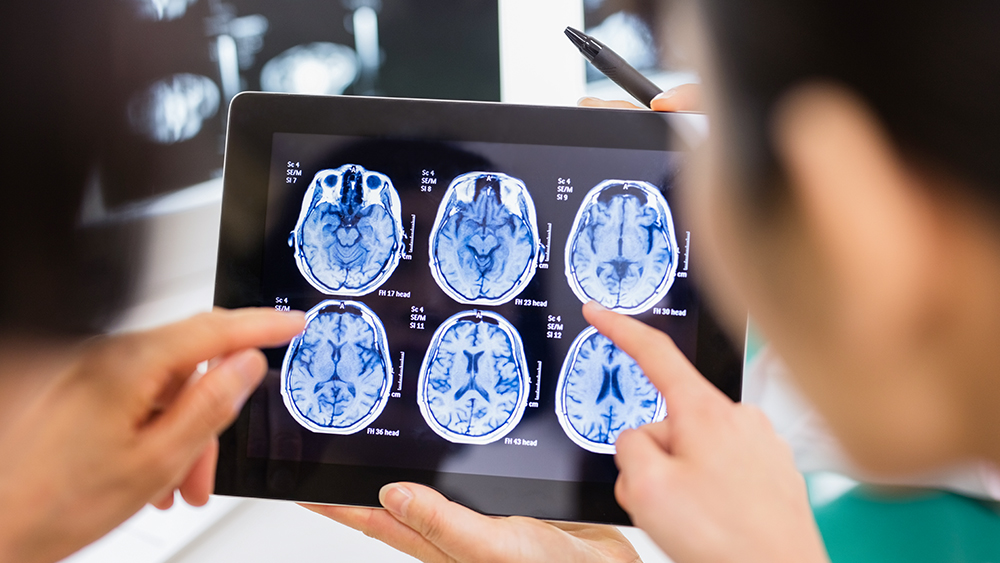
x: 660, y: 359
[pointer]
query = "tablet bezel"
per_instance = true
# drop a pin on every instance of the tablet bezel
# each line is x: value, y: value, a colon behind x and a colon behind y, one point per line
x: 254, y: 118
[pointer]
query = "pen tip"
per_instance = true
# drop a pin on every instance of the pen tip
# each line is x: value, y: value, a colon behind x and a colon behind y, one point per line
x: 584, y: 42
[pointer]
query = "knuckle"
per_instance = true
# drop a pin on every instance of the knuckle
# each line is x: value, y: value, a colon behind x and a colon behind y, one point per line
x: 646, y: 476
x: 369, y: 527
x: 625, y: 444
x: 159, y: 465
x: 208, y: 326
x: 204, y: 327
x: 703, y: 411
x: 216, y: 405
x: 124, y: 347
x: 206, y: 318
x: 623, y: 492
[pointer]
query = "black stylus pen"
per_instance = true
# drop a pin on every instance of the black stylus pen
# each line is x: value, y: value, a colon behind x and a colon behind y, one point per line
x: 614, y: 67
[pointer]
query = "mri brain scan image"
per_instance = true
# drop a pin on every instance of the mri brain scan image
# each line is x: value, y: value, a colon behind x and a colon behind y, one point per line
x: 601, y: 392
x: 349, y: 237
x: 173, y: 109
x: 484, y: 245
x: 317, y: 68
x: 473, y: 384
x: 622, y: 250
x: 161, y: 10
x: 336, y: 377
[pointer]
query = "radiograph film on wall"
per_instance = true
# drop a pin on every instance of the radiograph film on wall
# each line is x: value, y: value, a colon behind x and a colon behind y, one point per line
x: 622, y: 250
x: 473, y: 383
x: 484, y: 245
x: 601, y: 392
x: 336, y: 376
x: 349, y: 236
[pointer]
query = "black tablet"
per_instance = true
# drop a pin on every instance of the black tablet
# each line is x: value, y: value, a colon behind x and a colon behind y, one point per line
x: 443, y: 251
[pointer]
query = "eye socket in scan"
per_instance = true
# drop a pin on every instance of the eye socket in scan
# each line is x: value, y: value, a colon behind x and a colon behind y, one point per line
x: 473, y: 383
x: 349, y: 236
x: 336, y: 377
x: 601, y: 392
x: 622, y: 249
x: 484, y: 245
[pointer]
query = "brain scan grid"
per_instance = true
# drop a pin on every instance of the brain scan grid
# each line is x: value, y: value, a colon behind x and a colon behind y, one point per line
x: 484, y: 248
x: 484, y: 245
x: 601, y: 392
x: 622, y: 250
x: 349, y: 236
x: 473, y: 383
x: 336, y: 376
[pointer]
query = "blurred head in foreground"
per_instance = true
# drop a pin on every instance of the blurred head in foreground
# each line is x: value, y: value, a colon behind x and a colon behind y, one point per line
x: 850, y: 197
x: 58, y: 277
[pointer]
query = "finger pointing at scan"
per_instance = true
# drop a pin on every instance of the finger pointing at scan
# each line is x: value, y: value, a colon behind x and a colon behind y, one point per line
x: 202, y: 410
x: 190, y: 413
x: 683, y: 478
x: 223, y: 331
x: 660, y: 359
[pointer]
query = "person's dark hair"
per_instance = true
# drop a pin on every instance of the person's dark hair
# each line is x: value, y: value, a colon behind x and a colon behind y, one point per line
x: 929, y: 69
x: 53, y: 115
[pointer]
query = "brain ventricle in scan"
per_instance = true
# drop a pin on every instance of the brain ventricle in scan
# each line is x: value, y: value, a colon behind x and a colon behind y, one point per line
x: 336, y: 376
x: 622, y: 249
x: 473, y: 383
x: 484, y: 245
x: 601, y: 392
x: 349, y: 236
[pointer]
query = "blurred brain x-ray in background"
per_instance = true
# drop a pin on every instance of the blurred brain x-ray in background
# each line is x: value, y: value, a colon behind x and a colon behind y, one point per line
x: 176, y: 65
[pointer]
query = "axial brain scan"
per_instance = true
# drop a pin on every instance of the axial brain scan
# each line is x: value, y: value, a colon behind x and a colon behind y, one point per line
x: 336, y: 376
x: 484, y: 245
x: 349, y: 237
x: 473, y: 384
x: 173, y: 109
x: 622, y: 250
x: 601, y: 392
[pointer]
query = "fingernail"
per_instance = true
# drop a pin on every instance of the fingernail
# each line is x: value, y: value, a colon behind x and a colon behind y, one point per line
x: 297, y: 316
x: 395, y: 498
x: 664, y: 95
x: 587, y: 99
x: 247, y: 365
x: 595, y: 306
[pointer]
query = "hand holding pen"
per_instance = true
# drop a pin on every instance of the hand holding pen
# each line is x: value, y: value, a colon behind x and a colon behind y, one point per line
x: 686, y: 97
x: 683, y: 98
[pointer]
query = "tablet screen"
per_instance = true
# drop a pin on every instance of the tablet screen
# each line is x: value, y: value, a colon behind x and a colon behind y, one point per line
x: 444, y: 284
x: 443, y: 281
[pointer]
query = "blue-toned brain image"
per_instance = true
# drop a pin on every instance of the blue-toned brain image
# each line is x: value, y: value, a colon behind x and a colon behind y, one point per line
x: 473, y: 384
x: 622, y: 250
x: 601, y: 392
x: 336, y: 377
x: 484, y: 245
x: 349, y: 237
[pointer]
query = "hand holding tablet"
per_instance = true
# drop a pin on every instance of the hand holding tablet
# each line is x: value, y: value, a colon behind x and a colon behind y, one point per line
x: 443, y: 251
x: 714, y: 470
